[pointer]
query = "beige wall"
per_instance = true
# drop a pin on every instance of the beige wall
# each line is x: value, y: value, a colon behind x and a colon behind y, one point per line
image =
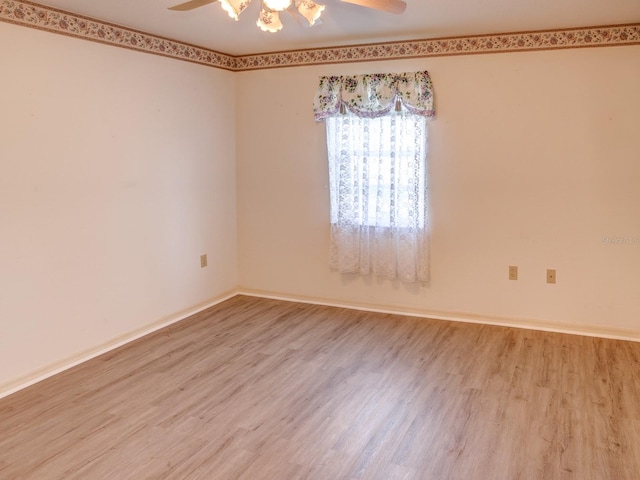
x: 534, y: 160
x: 117, y: 172
x: 118, y: 169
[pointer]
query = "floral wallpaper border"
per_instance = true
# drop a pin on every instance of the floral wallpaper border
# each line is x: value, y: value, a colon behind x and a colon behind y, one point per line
x: 50, y: 19
x: 41, y: 17
x: 605, y: 36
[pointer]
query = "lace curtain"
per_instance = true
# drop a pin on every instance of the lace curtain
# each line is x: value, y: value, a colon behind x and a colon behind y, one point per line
x: 376, y: 141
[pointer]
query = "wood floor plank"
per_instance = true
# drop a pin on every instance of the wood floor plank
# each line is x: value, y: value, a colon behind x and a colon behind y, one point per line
x: 256, y: 388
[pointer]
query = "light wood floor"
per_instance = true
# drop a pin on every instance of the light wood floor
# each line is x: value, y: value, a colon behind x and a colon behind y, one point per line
x: 263, y: 389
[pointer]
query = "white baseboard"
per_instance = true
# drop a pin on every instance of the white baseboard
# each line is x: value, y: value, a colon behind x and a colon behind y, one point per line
x: 524, y: 323
x: 573, y: 329
x: 68, y: 363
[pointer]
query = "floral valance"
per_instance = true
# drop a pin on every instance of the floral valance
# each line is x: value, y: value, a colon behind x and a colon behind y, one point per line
x: 374, y: 95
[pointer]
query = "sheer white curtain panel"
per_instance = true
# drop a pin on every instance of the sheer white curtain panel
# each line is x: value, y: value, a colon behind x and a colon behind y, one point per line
x: 377, y: 147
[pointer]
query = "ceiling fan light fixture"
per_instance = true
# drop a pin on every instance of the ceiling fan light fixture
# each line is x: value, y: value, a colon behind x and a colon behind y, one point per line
x: 269, y: 21
x: 309, y: 10
x: 234, y: 7
x: 277, y: 5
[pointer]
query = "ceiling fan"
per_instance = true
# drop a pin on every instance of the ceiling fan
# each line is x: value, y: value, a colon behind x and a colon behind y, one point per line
x: 269, y: 20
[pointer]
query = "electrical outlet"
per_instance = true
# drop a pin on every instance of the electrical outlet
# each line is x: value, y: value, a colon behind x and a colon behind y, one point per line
x: 513, y: 272
x: 551, y: 275
x: 203, y: 260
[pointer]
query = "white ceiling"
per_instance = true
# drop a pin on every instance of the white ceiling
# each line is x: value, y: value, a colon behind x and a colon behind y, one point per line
x: 344, y: 24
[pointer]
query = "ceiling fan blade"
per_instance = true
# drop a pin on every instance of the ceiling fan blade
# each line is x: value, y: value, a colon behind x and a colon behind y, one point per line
x: 191, y: 5
x: 389, y: 6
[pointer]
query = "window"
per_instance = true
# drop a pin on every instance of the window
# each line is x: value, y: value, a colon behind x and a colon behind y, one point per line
x: 377, y: 144
x: 377, y: 170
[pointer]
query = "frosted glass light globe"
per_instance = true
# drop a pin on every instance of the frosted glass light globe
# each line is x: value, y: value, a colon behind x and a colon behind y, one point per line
x: 277, y: 5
